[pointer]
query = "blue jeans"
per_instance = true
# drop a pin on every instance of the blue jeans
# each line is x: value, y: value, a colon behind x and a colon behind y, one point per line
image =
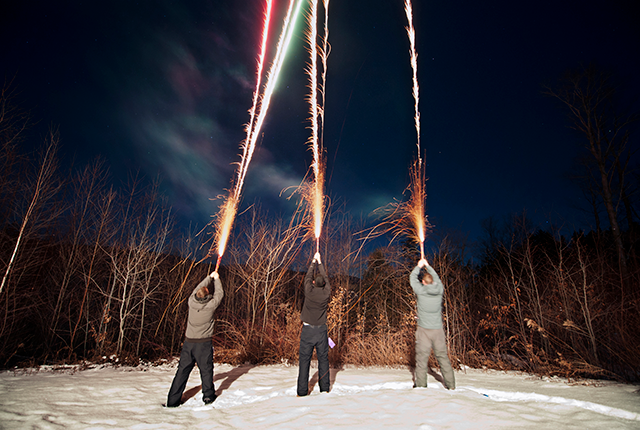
x: 313, y: 337
x: 192, y: 353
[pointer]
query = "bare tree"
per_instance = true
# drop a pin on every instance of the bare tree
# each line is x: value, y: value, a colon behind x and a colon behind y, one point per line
x: 589, y: 96
x: 133, y: 264
x: 156, y: 254
x: 41, y: 191
x: 126, y: 257
x: 86, y: 186
x: 13, y: 122
x: 105, y: 230
x: 270, y: 251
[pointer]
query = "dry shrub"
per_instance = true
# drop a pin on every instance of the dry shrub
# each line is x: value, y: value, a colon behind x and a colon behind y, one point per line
x: 276, y: 342
x: 382, y: 348
x: 228, y: 355
x: 229, y: 343
x: 285, y: 337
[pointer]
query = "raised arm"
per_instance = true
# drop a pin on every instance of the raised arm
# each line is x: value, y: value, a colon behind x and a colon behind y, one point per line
x: 414, y: 279
x: 323, y: 272
x: 308, y: 279
x: 218, y: 294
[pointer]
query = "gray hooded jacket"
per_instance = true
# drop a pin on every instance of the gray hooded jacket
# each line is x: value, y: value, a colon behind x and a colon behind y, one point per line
x: 429, y: 298
x: 200, y: 321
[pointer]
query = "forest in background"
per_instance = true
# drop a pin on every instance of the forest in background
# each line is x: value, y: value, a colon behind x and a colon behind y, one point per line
x: 96, y: 273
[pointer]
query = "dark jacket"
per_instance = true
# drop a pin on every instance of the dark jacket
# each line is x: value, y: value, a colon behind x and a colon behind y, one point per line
x: 314, y: 310
x: 429, y: 298
x: 200, y: 322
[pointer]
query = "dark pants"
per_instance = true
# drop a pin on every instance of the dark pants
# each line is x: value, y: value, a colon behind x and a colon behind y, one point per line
x: 192, y: 353
x: 313, y: 337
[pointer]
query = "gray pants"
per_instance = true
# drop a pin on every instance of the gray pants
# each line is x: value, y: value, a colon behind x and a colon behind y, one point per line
x: 427, y: 339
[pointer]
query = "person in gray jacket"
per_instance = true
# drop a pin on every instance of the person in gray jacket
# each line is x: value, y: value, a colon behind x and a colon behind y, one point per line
x: 430, y: 334
x: 198, y: 347
x: 314, y: 327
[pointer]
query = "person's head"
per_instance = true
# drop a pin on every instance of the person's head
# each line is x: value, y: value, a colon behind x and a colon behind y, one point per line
x: 319, y: 281
x: 202, y: 293
x: 425, y: 277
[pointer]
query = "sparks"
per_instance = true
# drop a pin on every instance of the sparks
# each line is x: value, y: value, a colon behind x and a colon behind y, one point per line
x: 414, y: 67
x: 407, y: 218
x: 415, y: 207
x: 418, y: 194
x: 258, y: 112
x: 316, y: 195
x: 263, y: 50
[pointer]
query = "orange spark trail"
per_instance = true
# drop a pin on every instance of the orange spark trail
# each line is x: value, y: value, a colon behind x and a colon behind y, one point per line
x: 256, y: 94
x: 418, y: 195
x: 272, y: 76
x: 228, y: 210
x: 414, y: 66
x: 317, y: 197
x: 230, y: 206
x: 416, y: 203
x: 325, y: 55
x: 320, y: 176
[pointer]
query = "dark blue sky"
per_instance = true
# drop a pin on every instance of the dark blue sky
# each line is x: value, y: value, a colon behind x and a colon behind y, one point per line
x: 165, y: 86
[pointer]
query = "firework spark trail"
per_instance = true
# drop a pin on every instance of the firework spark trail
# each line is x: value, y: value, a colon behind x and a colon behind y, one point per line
x: 320, y: 178
x: 317, y: 192
x: 229, y: 208
x: 418, y: 195
x: 415, y: 207
x: 406, y: 218
x: 272, y: 77
x: 414, y: 66
x: 325, y: 55
x: 256, y: 94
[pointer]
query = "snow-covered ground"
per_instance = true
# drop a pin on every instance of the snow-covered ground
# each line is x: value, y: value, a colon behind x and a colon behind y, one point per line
x: 106, y: 397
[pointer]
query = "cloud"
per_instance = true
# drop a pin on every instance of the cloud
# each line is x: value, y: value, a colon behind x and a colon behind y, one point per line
x: 184, y: 101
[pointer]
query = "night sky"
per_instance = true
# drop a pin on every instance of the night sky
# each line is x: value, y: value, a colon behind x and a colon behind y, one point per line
x: 164, y: 87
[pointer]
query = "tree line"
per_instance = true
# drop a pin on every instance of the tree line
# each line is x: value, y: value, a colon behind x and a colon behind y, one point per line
x: 96, y: 273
